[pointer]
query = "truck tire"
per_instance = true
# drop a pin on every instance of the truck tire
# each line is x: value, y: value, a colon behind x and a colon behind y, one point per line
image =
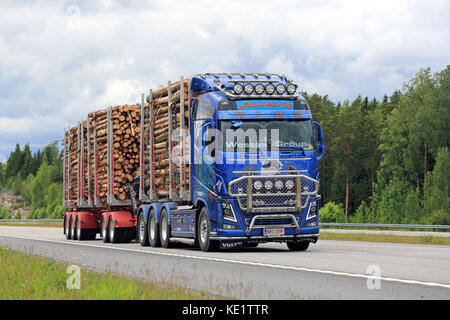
x: 66, y: 227
x: 251, y: 244
x: 164, y: 229
x: 153, y: 230
x: 73, y: 231
x: 104, y: 230
x: 298, y: 245
x: 83, y: 234
x: 142, y: 231
x: 114, y: 233
x: 203, y: 233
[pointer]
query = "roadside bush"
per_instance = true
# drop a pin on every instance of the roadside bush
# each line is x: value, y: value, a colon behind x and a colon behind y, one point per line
x: 332, y: 212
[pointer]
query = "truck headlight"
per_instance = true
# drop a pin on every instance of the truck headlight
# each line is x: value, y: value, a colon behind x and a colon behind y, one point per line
x: 268, y: 185
x: 257, y: 185
x: 281, y: 88
x: 291, y: 88
x: 279, y: 184
x: 248, y: 88
x: 259, y: 88
x: 238, y: 88
x: 312, y: 213
x: 289, y: 184
x: 270, y: 88
x: 228, y: 212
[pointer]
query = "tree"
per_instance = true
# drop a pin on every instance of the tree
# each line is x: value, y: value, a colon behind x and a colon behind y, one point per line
x: 14, y: 162
x: 437, y: 205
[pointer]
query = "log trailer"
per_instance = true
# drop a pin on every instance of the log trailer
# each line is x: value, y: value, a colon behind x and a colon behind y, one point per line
x: 225, y: 159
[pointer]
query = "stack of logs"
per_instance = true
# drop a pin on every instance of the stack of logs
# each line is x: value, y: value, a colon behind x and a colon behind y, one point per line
x: 160, y: 121
x: 126, y: 141
x: 126, y: 122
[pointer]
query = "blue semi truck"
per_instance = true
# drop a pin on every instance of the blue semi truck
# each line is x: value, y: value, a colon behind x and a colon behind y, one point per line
x: 241, y: 153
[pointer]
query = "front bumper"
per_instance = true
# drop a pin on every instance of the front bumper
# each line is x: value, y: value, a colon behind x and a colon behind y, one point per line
x: 311, y: 233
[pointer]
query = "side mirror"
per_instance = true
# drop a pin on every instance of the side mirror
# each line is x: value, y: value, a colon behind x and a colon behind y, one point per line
x: 209, y: 142
x: 320, y: 141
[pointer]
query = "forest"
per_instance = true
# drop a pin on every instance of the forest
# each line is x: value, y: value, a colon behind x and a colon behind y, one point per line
x: 386, y: 161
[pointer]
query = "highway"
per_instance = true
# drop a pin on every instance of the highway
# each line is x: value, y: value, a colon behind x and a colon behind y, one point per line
x: 328, y: 270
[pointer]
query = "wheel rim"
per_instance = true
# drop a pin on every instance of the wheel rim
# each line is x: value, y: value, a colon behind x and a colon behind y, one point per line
x: 152, y: 228
x: 141, y: 228
x: 203, y: 230
x: 164, y: 228
x: 111, y: 229
x: 78, y: 229
x: 103, y: 229
x: 66, y: 226
x: 72, y: 228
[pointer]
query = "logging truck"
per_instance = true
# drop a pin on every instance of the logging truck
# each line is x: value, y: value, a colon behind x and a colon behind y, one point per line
x: 223, y: 159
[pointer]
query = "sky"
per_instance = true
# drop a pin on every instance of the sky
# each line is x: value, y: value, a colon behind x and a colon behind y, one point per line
x: 60, y: 60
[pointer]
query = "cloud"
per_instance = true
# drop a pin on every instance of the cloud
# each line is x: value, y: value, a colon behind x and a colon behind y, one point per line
x: 62, y: 59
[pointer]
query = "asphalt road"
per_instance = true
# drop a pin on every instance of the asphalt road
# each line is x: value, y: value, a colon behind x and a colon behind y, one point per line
x: 328, y: 270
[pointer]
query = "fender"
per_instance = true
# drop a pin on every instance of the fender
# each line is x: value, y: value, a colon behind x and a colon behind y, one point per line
x: 88, y: 220
x: 145, y: 209
x: 167, y: 206
x: 122, y: 219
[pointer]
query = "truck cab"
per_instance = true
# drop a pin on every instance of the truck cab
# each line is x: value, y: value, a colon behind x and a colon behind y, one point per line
x: 254, y: 153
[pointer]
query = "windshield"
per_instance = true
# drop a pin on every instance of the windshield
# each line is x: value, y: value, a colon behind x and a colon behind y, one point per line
x: 267, y: 134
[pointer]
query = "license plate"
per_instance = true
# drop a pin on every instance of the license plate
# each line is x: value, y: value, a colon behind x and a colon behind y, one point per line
x: 271, y: 232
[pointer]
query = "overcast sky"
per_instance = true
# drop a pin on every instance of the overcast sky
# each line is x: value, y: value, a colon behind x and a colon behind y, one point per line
x: 61, y: 59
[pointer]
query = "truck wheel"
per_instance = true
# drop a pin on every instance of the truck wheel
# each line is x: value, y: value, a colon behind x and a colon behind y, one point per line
x: 81, y: 234
x: 153, y: 230
x: 73, y: 231
x: 298, y: 245
x: 251, y: 244
x: 164, y: 229
x: 204, y: 240
x: 66, y: 227
x: 142, y: 231
x: 114, y: 233
x: 103, y: 230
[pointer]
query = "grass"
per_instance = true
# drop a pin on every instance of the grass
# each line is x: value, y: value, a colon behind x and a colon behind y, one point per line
x: 384, y: 238
x: 29, y: 277
x: 52, y: 224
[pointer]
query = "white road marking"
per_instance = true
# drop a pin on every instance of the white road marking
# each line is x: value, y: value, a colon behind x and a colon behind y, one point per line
x: 259, y: 264
x: 341, y: 251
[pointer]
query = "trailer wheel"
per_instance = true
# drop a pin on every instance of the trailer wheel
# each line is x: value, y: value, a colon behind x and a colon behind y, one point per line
x: 164, y: 229
x: 67, y: 228
x: 73, y: 231
x: 142, y: 231
x: 81, y: 235
x: 203, y: 233
x: 153, y: 230
x: 114, y: 233
x: 103, y: 230
x: 298, y: 245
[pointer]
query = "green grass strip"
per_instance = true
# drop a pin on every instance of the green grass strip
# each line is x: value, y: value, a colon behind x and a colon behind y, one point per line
x: 29, y: 277
x: 384, y: 238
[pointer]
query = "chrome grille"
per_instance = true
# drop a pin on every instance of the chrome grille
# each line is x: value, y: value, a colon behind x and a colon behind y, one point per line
x: 259, y: 193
